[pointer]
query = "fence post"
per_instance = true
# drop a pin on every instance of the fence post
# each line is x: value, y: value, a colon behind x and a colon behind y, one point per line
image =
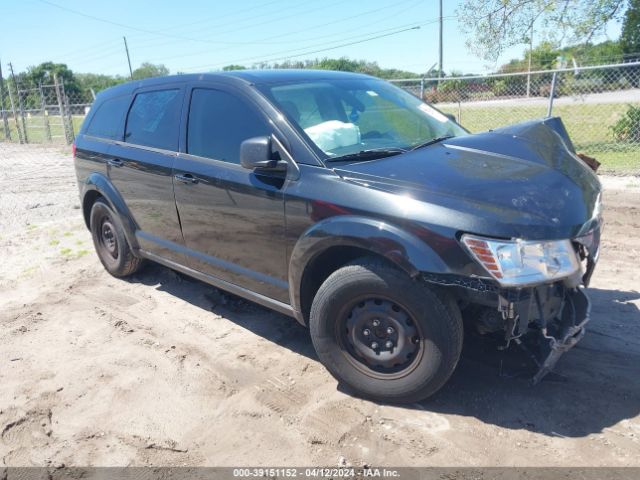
x: 15, y: 115
x: 24, y: 123
x: 70, y: 130
x: 5, y: 120
x: 61, y: 107
x: 45, y: 117
x: 552, y: 93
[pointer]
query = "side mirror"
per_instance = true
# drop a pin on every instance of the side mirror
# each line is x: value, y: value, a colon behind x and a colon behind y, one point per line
x: 256, y: 154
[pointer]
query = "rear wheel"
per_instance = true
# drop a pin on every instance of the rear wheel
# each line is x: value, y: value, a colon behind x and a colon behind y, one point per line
x: 383, y: 334
x: 110, y: 243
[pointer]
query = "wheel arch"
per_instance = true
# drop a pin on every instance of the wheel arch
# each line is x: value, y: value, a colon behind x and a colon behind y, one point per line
x: 334, y: 242
x: 98, y: 186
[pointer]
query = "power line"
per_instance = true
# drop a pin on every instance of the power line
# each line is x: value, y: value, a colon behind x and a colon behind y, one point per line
x: 88, y: 49
x: 346, y: 41
x: 321, y: 37
x: 131, y: 27
x: 358, y: 37
x: 265, y: 41
x: 236, y: 28
x: 311, y: 52
x: 344, y: 19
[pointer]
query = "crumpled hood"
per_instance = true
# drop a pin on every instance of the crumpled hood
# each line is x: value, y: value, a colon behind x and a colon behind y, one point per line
x: 518, y: 181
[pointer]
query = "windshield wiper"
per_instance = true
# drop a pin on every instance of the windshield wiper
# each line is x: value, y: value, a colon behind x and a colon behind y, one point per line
x: 370, y: 154
x: 432, y: 141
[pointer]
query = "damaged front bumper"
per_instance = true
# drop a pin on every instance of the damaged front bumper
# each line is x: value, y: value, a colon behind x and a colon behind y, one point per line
x: 565, y: 333
x: 545, y: 320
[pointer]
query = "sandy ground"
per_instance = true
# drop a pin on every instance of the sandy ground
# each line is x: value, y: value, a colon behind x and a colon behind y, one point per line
x: 163, y: 370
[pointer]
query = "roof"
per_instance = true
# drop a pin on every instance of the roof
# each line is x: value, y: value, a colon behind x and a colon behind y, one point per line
x: 291, y: 75
x: 247, y: 76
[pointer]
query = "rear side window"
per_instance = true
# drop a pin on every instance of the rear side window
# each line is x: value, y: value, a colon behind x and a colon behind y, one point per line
x: 219, y: 122
x: 154, y: 119
x: 107, y: 120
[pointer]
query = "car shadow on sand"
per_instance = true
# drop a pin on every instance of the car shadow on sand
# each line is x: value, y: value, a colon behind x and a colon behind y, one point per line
x: 595, y: 386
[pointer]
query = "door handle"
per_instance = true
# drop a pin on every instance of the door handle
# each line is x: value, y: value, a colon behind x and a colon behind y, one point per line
x: 115, y: 162
x: 186, y: 178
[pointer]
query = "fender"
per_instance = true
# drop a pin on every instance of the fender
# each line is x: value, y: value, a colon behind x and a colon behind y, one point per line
x: 97, y: 182
x: 403, y: 248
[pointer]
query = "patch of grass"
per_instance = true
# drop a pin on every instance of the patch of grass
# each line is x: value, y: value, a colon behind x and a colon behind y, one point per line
x: 69, y: 253
x: 54, y: 242
x: 36, y: 132
x: 27, y: 272
x: 67, y: 234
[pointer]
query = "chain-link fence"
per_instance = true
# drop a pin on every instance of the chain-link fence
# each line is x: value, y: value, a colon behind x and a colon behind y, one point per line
x: 46, y: 114
x: 600, y: 105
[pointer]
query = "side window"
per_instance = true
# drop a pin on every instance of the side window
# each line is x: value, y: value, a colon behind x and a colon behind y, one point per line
x: 219, y: 122
x: 107, y: 120
x: 154, y: 119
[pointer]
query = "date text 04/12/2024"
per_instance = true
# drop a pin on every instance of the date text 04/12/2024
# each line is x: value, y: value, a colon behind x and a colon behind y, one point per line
x: 336, y: 472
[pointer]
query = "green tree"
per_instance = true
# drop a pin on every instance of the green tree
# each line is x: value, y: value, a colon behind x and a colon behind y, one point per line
x: 233, y: 67
x: 43, y: 75
x: 148, y: 70
x: 630, y: 37
x: 609, y: 51
x: 495, y: 25
x: 98, y: 81
x: 344, y: 64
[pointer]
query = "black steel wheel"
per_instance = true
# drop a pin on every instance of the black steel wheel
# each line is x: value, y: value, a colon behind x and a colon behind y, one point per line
x: 384, y: 335
x: 380, y: 336
x: 109, y: 241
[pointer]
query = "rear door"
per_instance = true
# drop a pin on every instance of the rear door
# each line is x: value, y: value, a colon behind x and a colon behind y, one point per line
x: 141, y: 168
x: 232, y: 218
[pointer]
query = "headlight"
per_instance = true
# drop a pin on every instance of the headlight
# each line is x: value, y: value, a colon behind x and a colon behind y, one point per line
x: 520, y: 262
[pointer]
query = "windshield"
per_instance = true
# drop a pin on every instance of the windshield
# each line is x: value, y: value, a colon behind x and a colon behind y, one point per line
x: 345, y: 117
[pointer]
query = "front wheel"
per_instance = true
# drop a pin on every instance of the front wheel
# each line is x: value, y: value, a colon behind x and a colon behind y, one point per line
x: 386, y: 336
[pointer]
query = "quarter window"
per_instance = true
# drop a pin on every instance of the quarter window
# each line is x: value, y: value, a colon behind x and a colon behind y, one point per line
x: 219, y: 122
x: 107, y: 120
x: 154, y: 119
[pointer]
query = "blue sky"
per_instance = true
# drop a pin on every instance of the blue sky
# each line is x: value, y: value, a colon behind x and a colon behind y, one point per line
x: 200, y: 35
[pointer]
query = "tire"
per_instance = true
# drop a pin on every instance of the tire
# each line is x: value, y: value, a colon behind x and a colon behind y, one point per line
x: 408, y: 369
x: 109, y: 241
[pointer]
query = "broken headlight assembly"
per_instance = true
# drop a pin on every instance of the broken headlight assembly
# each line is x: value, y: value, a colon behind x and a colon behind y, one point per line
x: 516, y: 263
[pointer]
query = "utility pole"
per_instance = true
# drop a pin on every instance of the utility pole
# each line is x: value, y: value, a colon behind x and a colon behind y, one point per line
x: 440, y: 55
x: 128, y: 58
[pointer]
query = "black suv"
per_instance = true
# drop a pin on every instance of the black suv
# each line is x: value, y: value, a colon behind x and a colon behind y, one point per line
x: 349, y: 204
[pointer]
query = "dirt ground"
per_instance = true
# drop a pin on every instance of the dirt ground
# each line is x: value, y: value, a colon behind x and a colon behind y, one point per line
x: 163, y: 370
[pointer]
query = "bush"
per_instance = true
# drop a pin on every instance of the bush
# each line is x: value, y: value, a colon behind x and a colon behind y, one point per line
x: 627, y: 129
x: 439, y: 96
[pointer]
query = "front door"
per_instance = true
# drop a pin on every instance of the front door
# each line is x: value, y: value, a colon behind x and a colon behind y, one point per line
x: 141, y: 169
x: 232, y: 218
